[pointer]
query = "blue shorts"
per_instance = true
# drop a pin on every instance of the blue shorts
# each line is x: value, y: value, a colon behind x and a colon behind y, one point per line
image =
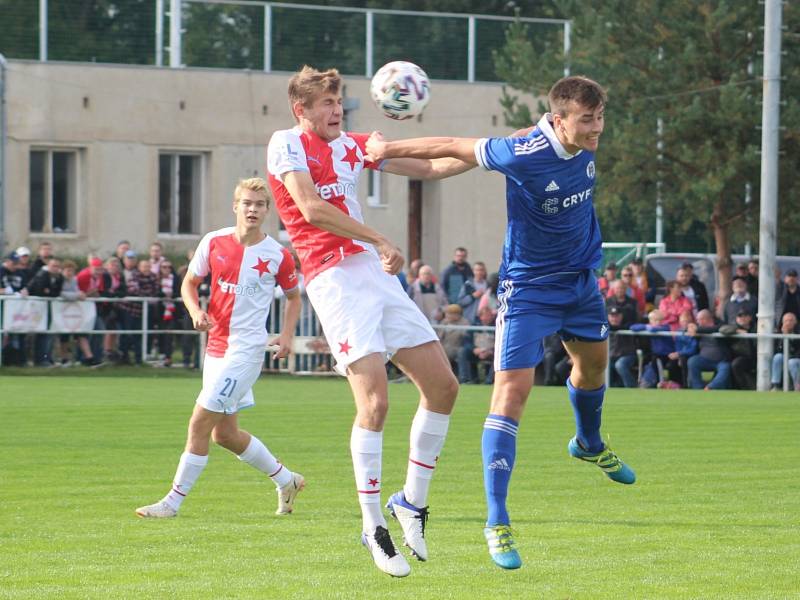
x: 567, y: 303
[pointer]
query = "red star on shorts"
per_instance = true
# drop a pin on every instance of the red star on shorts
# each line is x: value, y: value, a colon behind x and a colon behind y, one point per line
x: 351, y: 157
x: 344, y: 347
x: 373, y: 482
x: 261, y: 267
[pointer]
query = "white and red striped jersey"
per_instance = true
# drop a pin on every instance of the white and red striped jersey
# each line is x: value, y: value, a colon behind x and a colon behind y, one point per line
x: 335, y: 167
x: 243, y: 280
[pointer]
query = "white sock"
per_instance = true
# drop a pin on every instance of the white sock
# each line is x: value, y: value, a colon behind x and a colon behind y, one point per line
x: 366, y: 447
x: 256, y: 455
x: 428, y: 431
x: 189, y: 468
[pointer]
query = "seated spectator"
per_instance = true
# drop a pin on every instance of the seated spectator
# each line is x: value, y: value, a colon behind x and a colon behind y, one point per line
x: 453, y: 339
x: 428, y: 295
x: 674, y: 304
x: 789, y: 298
x: 685, y: 346
x: 470, y: 294
x: 633, y: 291
x: 740, y: 300
x: 788, y: 325
x: 743, y: 350
x: 554, y: 353
x: 455, y: 275
x: 741, y: 271
x: 620, y: 299
x: 478, y: 349
x: 692, y: 287
x: 609, y: 276
x: 621, y: 350
x: 713, y: 355
x: 661, y: 347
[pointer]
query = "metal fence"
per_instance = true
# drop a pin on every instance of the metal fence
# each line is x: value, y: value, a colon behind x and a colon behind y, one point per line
x: 310, y: 353
x: 269, y: 36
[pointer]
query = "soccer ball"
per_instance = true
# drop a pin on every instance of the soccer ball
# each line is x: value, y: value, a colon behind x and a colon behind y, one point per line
x: 400, y: 90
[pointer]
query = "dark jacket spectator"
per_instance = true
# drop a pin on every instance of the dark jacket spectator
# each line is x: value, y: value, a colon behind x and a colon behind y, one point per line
x: 621, y: 349
x: 455, y: 275
x: 743, y: 351
x: 789, y: 298
x: 740, y: 300
x: 470, y: 294
x: 622, y: 301
x: 692, y: 287
x: 713, y: 355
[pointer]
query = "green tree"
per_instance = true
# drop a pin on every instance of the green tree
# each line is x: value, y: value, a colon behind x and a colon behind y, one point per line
x: 696, y: 66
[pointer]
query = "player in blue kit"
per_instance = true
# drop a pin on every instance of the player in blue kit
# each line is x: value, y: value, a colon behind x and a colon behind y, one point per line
x: 547, y: 282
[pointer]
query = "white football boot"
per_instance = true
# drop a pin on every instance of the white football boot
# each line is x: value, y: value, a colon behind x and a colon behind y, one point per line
x: 385, y: 553
x: 288, y: 493
x: 159, y: 510
x: 413, y: 521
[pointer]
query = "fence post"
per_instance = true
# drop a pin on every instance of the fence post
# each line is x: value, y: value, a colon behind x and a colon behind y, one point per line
x: 145, y: 321
x: 785, y: 364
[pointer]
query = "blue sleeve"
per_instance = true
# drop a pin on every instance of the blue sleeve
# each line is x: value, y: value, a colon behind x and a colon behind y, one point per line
x: 638, y: 327
x: 497, y: 154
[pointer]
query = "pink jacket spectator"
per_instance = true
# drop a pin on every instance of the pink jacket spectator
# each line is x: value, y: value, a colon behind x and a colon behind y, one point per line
x: 672, y: 310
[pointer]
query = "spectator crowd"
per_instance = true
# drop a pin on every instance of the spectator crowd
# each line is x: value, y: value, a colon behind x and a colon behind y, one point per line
x: 462, y: 295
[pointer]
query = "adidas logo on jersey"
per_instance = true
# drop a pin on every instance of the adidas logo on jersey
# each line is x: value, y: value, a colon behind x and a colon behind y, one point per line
x: 552, y: 187
x: 531, y: 145
x: 501, y: 464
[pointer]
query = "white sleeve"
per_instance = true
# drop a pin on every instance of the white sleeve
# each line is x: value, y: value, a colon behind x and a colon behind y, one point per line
x: 199, y: 265
x: 480, y: 153
x: 285, y: 153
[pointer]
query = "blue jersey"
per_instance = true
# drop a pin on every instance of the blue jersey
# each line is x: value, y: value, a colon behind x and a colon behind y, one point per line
x: 552, y: 225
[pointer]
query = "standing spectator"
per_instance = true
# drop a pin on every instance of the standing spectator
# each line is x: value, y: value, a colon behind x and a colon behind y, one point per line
x: 489, y: 298
x: 620, y: 299
x: 71, y: 291
x: 453, y: 339
x: 25, y: 266
x: 609, y: 277
x: 130, y: 263
x: 168, y: 310
x: 713, y: 355
x: 478, y: 349
x: 470, y: 295
x: 788, y: 326
x: 789, y: 299
x: 455, y: 275
x: 46, y: 284
x: 673, y: 304
x: 741, y: 271
x: 92, y: 284
x: 114, y: 286
x: 146, y: 286
x: 633, y: 290
x: 743, y: 350
x: 428, y: 295
x: 692, y: 287
x: 640, y: 279
x: 43, y: 254
x: 156, y: 258
x: 740, y: 300
x: 752, y: 277
x: 621, y: 349
x: 11, y: 281
x: 122, y: 248
x: 413, y: 271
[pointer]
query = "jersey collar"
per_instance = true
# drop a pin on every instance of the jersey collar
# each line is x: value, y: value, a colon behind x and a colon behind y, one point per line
x: 546, y: 127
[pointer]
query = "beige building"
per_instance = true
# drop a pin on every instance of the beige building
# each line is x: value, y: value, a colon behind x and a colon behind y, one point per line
x: 98, y: 153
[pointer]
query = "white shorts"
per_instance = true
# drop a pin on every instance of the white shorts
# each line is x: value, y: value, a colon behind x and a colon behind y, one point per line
x: 227, y: 384
x: 364, y: 310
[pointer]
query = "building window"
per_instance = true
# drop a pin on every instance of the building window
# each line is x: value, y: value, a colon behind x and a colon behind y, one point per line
x: 374, y: 197
x: 179, y: 192
x: 53, y: 187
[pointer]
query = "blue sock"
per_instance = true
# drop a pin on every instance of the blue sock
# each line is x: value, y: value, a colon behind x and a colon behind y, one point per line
x: 588, y: 408
x: 499, y: 451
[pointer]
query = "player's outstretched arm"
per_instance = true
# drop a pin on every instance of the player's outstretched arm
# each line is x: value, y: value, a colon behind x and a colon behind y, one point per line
x: 431, y: 147
x: 191, y: 301
x: 420, y: 168
x: 291, y: 314
x: 322, y: 214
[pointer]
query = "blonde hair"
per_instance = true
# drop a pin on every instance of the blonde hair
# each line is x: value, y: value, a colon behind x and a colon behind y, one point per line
x: 308, y: 83
x: 254, y: 184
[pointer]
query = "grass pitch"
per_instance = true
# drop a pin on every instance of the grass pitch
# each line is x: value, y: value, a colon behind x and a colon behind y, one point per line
x: 715, y: 512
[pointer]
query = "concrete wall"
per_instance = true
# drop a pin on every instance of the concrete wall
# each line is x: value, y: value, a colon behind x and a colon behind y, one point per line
x: 120, y: 117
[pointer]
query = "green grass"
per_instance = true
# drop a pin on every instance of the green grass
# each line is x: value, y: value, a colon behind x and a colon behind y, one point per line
x: 715, y: 513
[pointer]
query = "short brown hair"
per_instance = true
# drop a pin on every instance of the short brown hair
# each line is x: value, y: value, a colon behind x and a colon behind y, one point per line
x: 308, y: 83
x: 254, y: 184
x: 576, y: 88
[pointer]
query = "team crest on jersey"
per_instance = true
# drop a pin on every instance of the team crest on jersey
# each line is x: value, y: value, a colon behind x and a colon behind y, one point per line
x: 590, y: 170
